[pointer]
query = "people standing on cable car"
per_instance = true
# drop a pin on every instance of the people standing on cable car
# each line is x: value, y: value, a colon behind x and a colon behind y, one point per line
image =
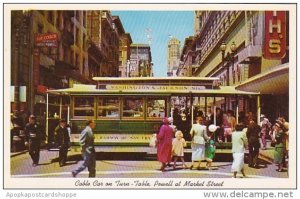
x: 63, y: 139
x: 33, y: 139
x: 219, y: 122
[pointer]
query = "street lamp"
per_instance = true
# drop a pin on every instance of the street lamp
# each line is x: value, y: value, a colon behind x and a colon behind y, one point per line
x: 228, y: 58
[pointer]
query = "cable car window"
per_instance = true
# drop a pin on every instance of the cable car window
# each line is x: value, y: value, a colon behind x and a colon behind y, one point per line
x: 156, y: 108
x: 133, y: 107
x: 84, y: 106
x: 108, y: 107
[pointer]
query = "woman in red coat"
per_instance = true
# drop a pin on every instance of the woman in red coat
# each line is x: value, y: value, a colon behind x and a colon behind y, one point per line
x: 164, y: 144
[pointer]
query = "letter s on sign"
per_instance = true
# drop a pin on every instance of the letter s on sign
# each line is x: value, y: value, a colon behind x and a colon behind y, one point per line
x: 274, y: 46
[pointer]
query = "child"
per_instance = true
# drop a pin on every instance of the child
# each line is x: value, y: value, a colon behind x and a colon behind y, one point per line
x: 178, y: 145
x: 210, y: 151
x: 210, y: 147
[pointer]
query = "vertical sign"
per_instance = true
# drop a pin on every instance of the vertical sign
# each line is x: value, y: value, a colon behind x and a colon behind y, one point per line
x: 36, y: 67
x: 275, y: 35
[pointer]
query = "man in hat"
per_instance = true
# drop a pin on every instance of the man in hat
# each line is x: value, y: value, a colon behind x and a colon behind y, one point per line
x: 33, y: 139
x: 63, y: 139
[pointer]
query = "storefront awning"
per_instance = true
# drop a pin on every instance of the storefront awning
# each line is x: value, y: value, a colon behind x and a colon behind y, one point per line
x: 273, y: 81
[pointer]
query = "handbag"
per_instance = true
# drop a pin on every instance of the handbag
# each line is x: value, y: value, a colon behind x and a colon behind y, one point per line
x: 153, y: 140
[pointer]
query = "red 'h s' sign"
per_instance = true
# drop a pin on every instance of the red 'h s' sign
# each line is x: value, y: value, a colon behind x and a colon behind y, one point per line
x: 275, y: 35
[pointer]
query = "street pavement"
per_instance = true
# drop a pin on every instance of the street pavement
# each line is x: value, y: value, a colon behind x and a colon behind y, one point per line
x: 131, y: 162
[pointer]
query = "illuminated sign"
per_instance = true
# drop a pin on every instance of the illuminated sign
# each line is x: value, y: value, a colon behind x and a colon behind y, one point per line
x: 275, y: 34
x: 48, y: 39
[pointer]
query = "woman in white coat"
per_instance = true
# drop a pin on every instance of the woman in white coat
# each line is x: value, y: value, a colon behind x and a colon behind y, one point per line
x: 239, y: 143
x: 199, y: 135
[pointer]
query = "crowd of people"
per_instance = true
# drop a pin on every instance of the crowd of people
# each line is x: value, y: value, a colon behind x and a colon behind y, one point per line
x: 171, y: 140
x: 204, y: 133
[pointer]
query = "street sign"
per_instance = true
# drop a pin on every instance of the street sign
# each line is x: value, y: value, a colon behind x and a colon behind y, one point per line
x: 47, y: 39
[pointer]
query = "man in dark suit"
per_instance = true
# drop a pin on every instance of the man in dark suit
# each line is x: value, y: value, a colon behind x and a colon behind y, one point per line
x: 63, y: 139
x: 253, y: 139
x: 33, y: 139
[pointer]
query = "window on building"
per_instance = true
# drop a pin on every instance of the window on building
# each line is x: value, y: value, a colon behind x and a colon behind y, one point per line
x: 108, y: 107
x: 84, y: 106
x: 40, y: 28
x: 84, y: 19
x: 58, y: 17
x: 133, y: 107
x: 77, y: 37
x: 156, y: 108
x: 51, y: 17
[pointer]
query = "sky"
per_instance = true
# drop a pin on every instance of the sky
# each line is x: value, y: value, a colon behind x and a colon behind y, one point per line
x: 163, y: 25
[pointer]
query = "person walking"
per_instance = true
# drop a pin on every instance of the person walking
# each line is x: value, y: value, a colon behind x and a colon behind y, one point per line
x: 88, y: 150
x: 178, y: 145
x: 252, y: 133
x: 164, y: 144
x: 266, y: 128
x: 33, y: 139
x: 239, y: 142
x: 199, y: 135
x: 63, y: 139
x: 279, y: 149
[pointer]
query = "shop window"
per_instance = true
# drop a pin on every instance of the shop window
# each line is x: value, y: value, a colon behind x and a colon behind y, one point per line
x: 108, y: 107
x: 84, y: 106
x: 156, y: 108
x: 133, y: 107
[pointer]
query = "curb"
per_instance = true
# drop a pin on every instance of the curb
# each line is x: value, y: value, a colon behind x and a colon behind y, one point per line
x: 18, y: 153
x: 266, y: 157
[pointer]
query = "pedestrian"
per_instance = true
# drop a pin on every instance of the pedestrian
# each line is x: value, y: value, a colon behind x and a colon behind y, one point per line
x: 266, y: 128
x: 278, y: 139
x: 210, y: 146
x: 33, y: 139
x: 252, y: 133
x: 164, y: 144
x: 88, y: 150
x: 285, y: 128
x: 63, y: 139
x: 199, y: 135
x: 178, y: 145
x: 239, y: 143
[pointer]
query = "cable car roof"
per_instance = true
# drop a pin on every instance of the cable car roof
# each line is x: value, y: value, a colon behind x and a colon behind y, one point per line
x: 92, y: 90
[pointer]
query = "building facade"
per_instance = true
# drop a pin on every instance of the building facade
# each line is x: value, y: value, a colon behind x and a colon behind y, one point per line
x: 173, y: 56
x: 124, y: 47
x: 232, y: 45
x: 56, y: 49
x: 140, y: 61
x: 187, y: 58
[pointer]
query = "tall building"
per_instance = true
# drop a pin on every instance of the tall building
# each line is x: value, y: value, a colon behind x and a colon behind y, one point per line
x: 249, y: 50
x: 124, y: 47
x: 187, y: 58
x: 109, y: 46
x: 173, y: 56
x: 48, y: 51
x: 124, y: 57
x: 140, y: 61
